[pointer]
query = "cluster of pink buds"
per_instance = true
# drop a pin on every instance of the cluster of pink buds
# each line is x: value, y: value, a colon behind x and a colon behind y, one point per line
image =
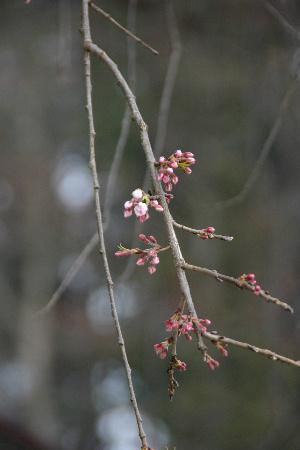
x: 211, y: 362
x: 140, y: 204
x: 207, y: 233
x: 185, y: 324
x: 146, y: 256
x: 166, y: 166
x: 250, y: 278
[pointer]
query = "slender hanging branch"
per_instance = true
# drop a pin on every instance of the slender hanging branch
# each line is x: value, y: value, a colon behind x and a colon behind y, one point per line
x: 242, y: 284
x: 117, y: 24
x: 102, y: 248
x: 216, y: 338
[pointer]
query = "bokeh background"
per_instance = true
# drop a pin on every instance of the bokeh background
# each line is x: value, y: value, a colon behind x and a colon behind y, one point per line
x: 62, y: 385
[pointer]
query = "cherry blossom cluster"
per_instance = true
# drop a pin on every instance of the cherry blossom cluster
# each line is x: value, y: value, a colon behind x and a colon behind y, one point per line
x: 185, y: 323
x: 140, y: 204
x: 250, y: 278
x: 166, y: 166
x: 146, y: 256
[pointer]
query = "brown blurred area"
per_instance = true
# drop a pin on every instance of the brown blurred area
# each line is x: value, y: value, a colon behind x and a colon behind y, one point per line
x: 61, y: 379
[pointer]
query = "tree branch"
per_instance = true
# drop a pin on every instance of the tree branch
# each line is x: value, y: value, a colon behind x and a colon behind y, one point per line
x: 102, y: 248
x: 200, y: 232
x: 241, y: 284
x: 245, y: 345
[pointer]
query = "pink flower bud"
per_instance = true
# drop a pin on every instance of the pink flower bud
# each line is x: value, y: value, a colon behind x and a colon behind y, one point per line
x: 257, y: 290
x: 210, y: 230
x: 190, y: 160
x: 123, y: 253
x: 166, y: 179
x: 181, y: 365
x: 155, y: 260
x: 224, y: 351
x: 141, y: 261
x: 174, y: 164
x: 212, y: 363
x: 152, y: 239
x: 127, y: 213
x: 143, y: 218
x: 137, y: 194
x: 169, y: 170
x: 250, y: 277
x: 169, y: 187
x: 140, y: 209
x: 143, y: 238
x: 178, y: 153
x: 175, y: 179
x: 128, y: 204
x: 151, y: 269
x: 162, y: 159
x: 171, y: 325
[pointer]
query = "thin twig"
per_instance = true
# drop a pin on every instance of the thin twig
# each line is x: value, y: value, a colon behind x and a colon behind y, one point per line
x: 237, y: 282
x: 70, y: 275
x: 264, y: 153
x: 282, y: 20
x: 137, y: 117
x: 200, y: 232
x: 245, y: 345
x: 102, y: 248
x: 118, y: 25
x: 112, y: 176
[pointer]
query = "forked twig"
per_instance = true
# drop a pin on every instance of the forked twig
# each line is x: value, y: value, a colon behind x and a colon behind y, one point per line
x: 118, y: 25
x: 102, y: 248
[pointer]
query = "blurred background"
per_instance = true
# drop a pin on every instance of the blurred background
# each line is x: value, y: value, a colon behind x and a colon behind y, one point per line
x: 62, y: 385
